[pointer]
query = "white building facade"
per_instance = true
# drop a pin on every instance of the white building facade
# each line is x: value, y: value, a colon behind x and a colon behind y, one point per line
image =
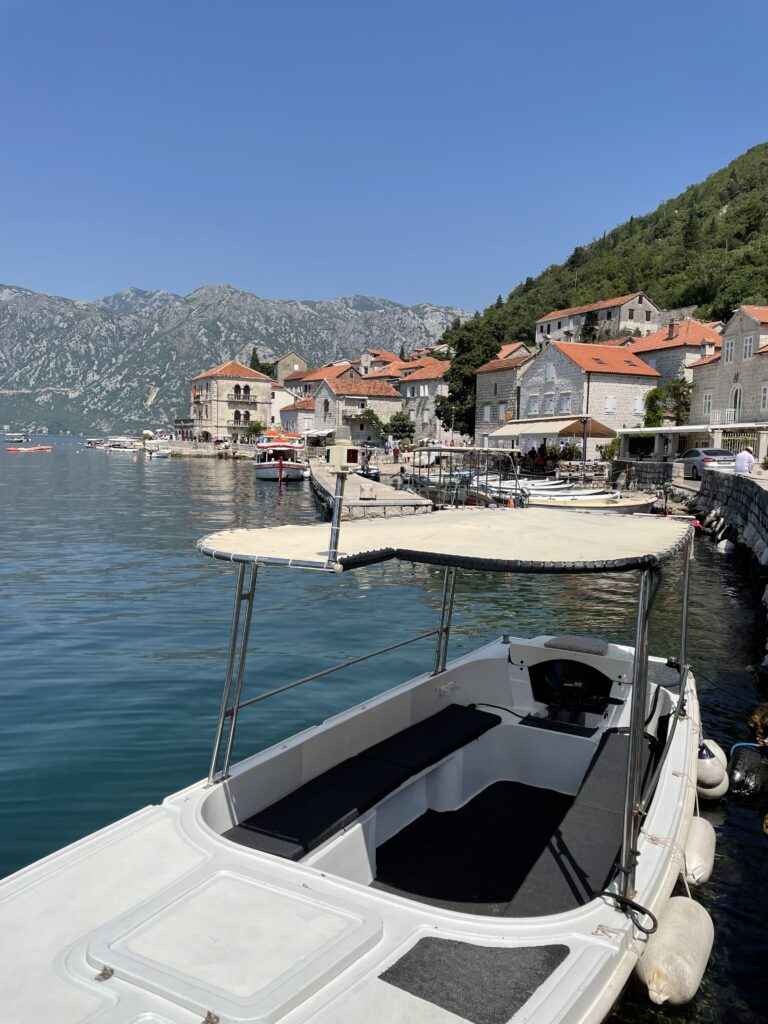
x: 731, y: 386
x: 566, y: 379
x: 497, y: 394
x: 340, y: 406
x: 227, y: 400
x: 634, y: 312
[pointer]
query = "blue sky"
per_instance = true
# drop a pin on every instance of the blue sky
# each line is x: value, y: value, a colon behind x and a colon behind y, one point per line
x: 421, y: 151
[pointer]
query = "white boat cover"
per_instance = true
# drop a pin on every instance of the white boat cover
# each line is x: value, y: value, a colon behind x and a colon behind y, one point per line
x: 500, y: 540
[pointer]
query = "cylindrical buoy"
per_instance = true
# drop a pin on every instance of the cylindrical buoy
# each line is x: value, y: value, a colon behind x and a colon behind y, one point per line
x: 676, y: 955
x: 699, y: 852
x: 711, y: 773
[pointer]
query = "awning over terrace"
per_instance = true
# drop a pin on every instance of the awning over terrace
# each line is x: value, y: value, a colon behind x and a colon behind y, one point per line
x: 554, y: 426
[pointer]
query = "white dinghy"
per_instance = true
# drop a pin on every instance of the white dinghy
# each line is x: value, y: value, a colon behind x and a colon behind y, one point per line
x: 491, y: 841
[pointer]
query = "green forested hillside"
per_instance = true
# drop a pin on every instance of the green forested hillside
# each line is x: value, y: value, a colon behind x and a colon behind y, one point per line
x: 707, y: 247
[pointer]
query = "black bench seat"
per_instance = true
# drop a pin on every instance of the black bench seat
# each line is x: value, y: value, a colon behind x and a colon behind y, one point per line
x: 302, y: 820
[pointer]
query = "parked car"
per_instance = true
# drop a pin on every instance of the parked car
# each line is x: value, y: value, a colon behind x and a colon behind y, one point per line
x: 696, y: 460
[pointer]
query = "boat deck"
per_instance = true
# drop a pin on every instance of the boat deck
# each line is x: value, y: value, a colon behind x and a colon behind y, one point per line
x: 514, y: 850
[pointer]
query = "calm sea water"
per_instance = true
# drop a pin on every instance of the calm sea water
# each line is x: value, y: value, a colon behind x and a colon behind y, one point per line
x: 114, y: 634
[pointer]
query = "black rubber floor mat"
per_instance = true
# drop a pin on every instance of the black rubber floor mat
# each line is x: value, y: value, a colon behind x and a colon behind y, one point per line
x: 482, y: 984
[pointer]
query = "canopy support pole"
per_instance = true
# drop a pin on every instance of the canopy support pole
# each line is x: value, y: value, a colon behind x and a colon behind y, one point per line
x: 446, y: 615
x: 639, y: 704
x: 238, y: 647
x: 686, y: 595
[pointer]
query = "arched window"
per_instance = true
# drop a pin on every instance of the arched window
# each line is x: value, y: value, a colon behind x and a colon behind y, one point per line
x: 246, y: 391
x: 246, y: 417
x: 735, y: 403
x: 237, y: 415
x: 237, y: 390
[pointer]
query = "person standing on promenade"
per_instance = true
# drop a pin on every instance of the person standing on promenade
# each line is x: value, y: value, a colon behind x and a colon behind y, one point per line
x: 745, y: 460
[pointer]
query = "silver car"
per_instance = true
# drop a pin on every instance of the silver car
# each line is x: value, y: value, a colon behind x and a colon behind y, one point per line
x: 696, y: 460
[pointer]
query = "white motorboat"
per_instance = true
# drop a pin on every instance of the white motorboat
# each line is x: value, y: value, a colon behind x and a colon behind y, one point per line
x: 18, y: 438
x: 122, y: 445
x: 493, y: 840
x: 279, y: 461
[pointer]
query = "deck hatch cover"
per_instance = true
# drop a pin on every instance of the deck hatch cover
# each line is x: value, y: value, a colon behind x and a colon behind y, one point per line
x: 482, y: 984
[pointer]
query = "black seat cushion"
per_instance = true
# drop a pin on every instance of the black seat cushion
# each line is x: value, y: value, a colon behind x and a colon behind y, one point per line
x: 327, y: 803
x: 427, y: 742
x: 302, y: 820
x: 265, y: 843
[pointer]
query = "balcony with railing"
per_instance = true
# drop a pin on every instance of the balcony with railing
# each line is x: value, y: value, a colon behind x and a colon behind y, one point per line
x: 722, y: 417
x: 247, y: 399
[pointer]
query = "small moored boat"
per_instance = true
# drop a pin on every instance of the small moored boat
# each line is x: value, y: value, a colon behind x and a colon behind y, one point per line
x: 494, y: 839
x: 276, y: 460
x: 34, y: 449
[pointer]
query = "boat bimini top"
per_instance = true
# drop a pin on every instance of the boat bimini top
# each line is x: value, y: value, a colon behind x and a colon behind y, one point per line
x: 526, y: 541
x: 530, y: 541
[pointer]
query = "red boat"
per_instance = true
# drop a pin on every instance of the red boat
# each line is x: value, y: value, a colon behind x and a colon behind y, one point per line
x: 33, y: 449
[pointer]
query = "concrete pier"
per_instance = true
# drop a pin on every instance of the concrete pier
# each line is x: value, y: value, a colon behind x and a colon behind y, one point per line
x: 365, y: 499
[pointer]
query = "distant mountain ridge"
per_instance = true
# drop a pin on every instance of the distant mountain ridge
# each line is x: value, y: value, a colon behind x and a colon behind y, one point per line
x: 124, y: 361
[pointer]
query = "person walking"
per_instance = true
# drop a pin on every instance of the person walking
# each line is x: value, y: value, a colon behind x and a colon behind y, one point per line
x: 745, y: 460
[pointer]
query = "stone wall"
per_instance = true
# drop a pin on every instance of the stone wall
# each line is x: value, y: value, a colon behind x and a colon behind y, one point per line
x: 742, y: 502
x: 646, y: 474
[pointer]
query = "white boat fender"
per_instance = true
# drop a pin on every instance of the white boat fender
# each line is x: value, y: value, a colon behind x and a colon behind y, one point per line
x: 676, y: 954
x: 699, y: 852
x: 711, y: 771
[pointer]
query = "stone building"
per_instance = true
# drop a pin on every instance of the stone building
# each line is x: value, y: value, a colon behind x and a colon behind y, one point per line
x: 399, y: 369
x: 730, y: 387
x: 290, y: 362
x: 340, y: 403
x: 299, y: 416
x: 280, y: 398
x: 497, y: 392
x: 227, y: 399
x: 605, y: 382
x: 375, y: 359
x: 304, y: 383
x: 674, y: 348
x: 420, y: 390
x: 633, y: 312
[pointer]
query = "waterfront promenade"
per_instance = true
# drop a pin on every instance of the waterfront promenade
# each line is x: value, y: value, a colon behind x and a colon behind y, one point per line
x: 364, y: 499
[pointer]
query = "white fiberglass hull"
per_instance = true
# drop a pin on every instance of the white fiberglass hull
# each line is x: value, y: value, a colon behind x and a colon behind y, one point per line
x: 159, y: 917
x: 273, y: 471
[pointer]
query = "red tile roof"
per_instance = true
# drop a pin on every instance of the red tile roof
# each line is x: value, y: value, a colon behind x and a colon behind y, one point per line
x: 321, y: 373
x: 434, y: 370
x: 382, y: 353
x: 509, y: 349
x: 619, y: 300
x: 605, y: 359
x: 233, y: 369
x: 363, y: 387
x: 687, y: 332
x: 705, y: 359
x: 400, y: 368
x: 300, y: 405
x: 759, y: 313
x: 510, y: 363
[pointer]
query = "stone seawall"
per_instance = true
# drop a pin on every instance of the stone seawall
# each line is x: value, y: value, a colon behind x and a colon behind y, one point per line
x: 734, y: 509
x: 741, y: 502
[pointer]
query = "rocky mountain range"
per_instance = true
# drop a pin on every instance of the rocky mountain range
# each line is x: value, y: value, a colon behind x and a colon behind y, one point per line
x: 124, y: 362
